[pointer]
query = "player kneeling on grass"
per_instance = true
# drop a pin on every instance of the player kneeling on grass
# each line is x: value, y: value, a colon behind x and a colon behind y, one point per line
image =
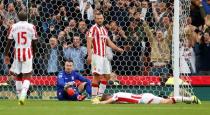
x: 145, y: 98
x: 67, y: 88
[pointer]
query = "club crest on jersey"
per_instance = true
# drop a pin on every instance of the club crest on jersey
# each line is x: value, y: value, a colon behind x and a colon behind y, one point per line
x: 72, y: 77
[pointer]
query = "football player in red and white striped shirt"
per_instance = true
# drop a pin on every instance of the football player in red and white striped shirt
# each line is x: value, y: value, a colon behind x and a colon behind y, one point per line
x: 25, y: 37
x: 145, y: 98
x: 97, y: 40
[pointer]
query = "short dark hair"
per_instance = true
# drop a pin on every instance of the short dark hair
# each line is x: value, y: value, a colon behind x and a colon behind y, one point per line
x: 69, y: 60
x: 76, y: 34
x: 22, y: 16
x: 98, y: 13
x: 105, y: 97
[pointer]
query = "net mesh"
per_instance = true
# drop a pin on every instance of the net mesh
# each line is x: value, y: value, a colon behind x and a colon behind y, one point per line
x: 143, y: 28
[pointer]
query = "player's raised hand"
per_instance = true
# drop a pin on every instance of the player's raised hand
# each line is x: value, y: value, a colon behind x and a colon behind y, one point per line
x: 7, y: 60
x: 65, y: 45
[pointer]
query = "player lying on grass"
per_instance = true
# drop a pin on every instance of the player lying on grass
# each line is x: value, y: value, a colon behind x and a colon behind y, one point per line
x: 67, y: 88
x: 145, y: 98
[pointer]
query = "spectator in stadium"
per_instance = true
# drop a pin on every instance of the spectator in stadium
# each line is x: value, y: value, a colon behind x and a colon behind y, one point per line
x: 63, y: 13
x: 86, y: 10
x: 72, y: 27
x: 82, y: 29
x: 197, y: 13
x: 106, y: 10
x: 63, y: 37
x: 137, y: 4
x: 34, y: 13
x: 146, y: 12
x: 58, y: 22
x: 3, y: 41
x: 165, y: 23
x: 77, y: 53
x: 207, y: 23
x: 19, y: 5
x: 40, y: 66
x: 187, y: 49
x: 131, y: 11
x: 51, y: 31
x: 187, y: 58
x: 53, y: 56
x: 11, y: 14
x: 113, y: 31
x: 206, y: 6
x: 74, y: 9
x: 144, y: 98
x: 161, y: 7
x: 34, y: 17
x: 135, y: 31
x: 118, y: 35
x: 68, y: 89
x: 2, y: 12
x: 203, y: 44
x: 160, y: 51
x: 120, y: 14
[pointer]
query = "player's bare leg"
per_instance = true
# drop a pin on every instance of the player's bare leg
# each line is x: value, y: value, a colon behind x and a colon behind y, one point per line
x: 18, y: 82
x: 25, y: 87
x: 167, y: 101
x: 81, y: 87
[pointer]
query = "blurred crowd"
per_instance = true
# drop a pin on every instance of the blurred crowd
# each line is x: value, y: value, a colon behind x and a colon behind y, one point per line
x: 142, y: 27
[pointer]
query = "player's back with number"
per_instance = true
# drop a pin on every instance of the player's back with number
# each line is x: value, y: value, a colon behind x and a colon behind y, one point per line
x: 23, y: 33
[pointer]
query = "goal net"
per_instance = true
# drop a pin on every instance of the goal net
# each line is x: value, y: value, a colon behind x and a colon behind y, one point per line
x: 144, y: 28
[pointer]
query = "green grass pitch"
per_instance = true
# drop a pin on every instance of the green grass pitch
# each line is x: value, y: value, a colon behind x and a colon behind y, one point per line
x: 40, y: 107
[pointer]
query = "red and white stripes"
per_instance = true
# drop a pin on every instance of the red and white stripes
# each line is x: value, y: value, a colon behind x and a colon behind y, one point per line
x: 99, y: 35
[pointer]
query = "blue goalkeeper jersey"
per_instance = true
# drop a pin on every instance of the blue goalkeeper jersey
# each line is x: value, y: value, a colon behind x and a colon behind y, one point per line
x: 64, y: 77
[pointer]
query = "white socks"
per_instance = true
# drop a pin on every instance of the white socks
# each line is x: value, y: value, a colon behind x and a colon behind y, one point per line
x: 183, y: 99
x: 18, y: 85
x: 25, y: 87
x: 102, y: 88
x: 94, y: 90
x: 98, y: 90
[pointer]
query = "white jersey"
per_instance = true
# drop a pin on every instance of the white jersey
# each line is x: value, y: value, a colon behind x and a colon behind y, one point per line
x: 145, y: 98
x: 23, y: 33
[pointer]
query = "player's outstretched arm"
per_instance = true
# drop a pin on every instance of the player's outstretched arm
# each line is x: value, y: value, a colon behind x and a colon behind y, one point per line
x: 89, y: 52
x: 82, y: 78
x: 34, y: 42
x: 113, y: 46
x: 7, y: 59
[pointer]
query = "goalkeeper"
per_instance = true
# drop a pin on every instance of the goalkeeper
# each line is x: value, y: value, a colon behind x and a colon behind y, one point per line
x: 67, y: 87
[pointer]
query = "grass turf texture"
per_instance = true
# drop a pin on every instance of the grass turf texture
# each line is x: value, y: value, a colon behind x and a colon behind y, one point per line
x: 40, y: 107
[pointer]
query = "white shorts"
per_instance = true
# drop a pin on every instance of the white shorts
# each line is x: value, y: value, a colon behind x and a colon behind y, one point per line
x: 148, y: 98
x: 21, y: 67
x: 100, y: 65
